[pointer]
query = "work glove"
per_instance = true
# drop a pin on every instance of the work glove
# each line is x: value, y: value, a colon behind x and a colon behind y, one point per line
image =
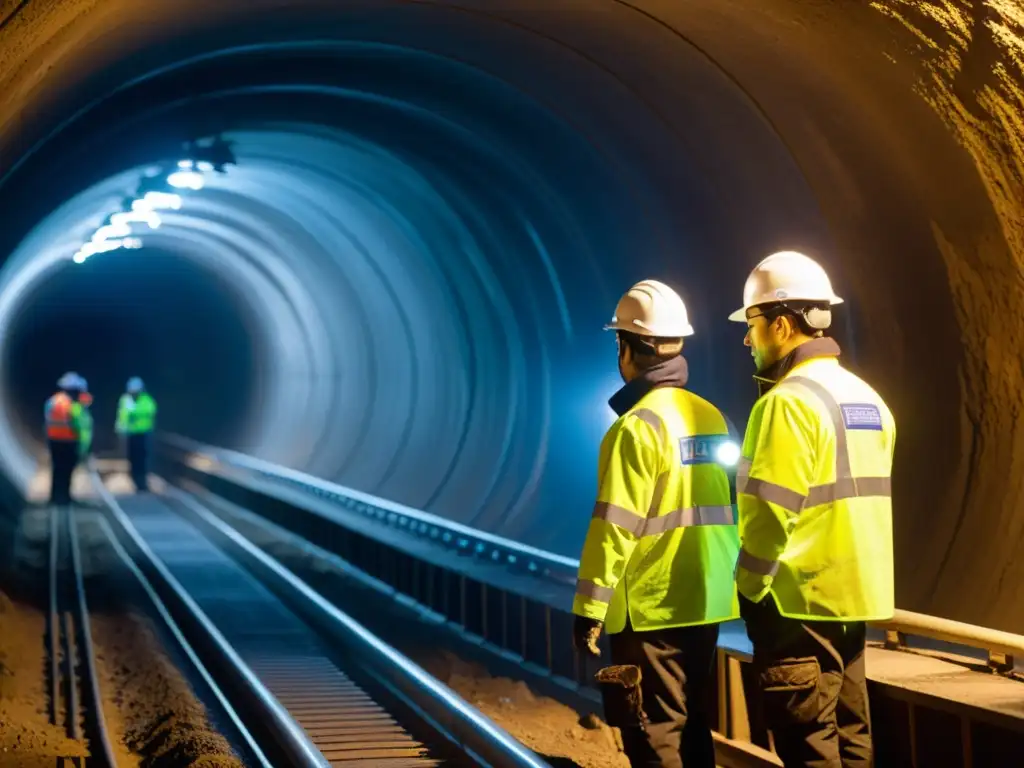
x: 585, y: 633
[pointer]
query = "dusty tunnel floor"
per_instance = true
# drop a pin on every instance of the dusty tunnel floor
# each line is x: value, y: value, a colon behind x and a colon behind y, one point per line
x: 152, y: 712
x: 551, y: 729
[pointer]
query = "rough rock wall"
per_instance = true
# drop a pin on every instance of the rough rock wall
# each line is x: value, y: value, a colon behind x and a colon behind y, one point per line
x: 973, y: 77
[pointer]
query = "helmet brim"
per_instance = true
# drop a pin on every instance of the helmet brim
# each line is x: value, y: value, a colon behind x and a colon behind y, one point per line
x: 640, y: 331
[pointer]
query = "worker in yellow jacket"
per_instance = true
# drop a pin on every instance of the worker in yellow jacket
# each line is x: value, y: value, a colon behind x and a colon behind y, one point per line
x: 815, y: 508
x: 656, y: 571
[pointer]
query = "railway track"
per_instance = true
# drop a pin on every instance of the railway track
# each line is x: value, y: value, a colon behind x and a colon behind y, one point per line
x: 75, y: 702
x: 313, y: 687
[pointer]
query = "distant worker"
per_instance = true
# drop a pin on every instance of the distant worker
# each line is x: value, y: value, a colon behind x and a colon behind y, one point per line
x: 68, y: 435
x: 656, y: 571
x: 136, y: 418
x: 815, y: 509
x: 85, y: 420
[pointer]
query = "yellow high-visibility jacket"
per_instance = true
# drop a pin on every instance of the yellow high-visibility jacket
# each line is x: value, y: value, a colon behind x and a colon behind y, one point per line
x: 814, y: 496
x: 662, y: 542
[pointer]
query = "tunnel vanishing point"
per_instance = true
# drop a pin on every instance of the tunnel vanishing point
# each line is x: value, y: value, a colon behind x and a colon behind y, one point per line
x: 437, y: 203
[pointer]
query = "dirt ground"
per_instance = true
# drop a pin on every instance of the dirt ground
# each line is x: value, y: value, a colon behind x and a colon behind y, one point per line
x: 149, y: 703
x: 26, y: 737
x: 553, y: 730
x: 150, y: 710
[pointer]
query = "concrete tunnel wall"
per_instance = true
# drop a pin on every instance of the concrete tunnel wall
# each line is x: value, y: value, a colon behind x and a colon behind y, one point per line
x: 554, y: 156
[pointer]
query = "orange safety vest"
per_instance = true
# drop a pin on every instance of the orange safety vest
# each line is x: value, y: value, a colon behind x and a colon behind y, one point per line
x: 58, y: 418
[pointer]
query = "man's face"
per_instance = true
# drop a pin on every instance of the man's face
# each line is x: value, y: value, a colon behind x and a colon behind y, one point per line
x: 764, y: 338
x: 621, y: 351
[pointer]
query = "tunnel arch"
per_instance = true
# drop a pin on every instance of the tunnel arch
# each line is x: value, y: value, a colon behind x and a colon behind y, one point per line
x: 684, y: 141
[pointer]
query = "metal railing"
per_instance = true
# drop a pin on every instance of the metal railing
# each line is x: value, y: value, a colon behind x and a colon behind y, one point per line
x: 516, y: 600
x: 515, y: 556
x: 1002, y: 647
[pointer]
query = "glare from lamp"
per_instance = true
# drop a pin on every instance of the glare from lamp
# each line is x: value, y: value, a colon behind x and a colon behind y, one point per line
x: 728, y: 454
x: 154, y: 201
x: 141, y: 216
x: 186, y: 180
x: 111, y: 231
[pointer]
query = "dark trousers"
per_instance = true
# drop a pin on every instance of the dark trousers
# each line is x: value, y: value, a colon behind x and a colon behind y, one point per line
x: 138, y: 457
x: 63, y: 460
x: 813, y: 687
x: 676, y: 675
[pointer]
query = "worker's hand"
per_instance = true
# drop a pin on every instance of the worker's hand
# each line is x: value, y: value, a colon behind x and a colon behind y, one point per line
x: 585, y: 633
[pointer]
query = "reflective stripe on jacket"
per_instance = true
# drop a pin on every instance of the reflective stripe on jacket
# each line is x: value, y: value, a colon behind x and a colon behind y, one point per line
x: 662, y: 542
x: 814, y: 497
x: 135, y: 415
x: 60, y: 416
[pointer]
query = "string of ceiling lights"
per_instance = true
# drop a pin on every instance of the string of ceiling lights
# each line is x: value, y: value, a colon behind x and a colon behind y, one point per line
x: 160, y: 191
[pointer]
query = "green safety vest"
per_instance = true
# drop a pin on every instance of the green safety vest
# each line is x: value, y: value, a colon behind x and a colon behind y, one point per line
x: 135, y: 415
x: 82, y: 417
x: 814, y: 497
x: 662, y: 543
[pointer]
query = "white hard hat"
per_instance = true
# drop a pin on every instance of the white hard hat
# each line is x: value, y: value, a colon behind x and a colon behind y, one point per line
x: 785, y: 276
x: 134, y: 385
x: 651, y: 308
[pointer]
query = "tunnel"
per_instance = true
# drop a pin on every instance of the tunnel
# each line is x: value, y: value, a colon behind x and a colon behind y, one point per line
x: 399, y: 282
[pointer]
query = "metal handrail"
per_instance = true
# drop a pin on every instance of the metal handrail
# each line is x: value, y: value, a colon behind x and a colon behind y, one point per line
x: 486, y: 546
x: 1001, y: 646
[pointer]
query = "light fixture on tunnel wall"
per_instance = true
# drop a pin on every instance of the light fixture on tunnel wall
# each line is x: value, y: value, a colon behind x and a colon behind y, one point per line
x: 188, y: 176
x: 157, y: 192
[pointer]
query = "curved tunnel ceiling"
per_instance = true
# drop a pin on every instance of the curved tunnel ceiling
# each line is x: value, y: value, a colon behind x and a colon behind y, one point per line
x: 436, y: 205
